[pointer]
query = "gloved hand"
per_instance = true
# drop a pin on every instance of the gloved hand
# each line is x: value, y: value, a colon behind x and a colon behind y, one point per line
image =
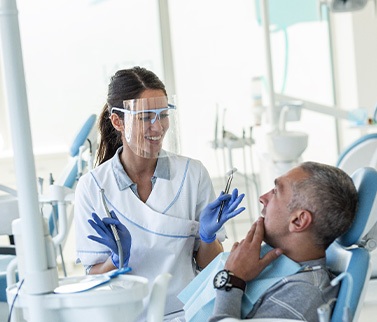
x: 208, y: 218
x: 102, y: 227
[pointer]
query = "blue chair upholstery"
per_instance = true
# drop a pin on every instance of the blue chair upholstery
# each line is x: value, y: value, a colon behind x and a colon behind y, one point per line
x: 8, y: 212
x: 86, y: 136
x: 82, y: 135
x: 348, y: 253
x: 4, y: 261
x: 360, y: 153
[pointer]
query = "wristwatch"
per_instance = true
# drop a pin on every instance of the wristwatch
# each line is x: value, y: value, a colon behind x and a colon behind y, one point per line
x: 227, y: 280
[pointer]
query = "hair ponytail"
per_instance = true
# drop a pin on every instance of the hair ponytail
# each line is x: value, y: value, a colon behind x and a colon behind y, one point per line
x: 110, y: 138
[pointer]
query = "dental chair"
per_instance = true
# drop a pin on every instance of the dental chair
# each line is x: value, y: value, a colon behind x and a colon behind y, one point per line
x: 348, y: 256
x: 361, y: 153
x: 81, y: 151
x: 350, y: 253
x: 85, y: 142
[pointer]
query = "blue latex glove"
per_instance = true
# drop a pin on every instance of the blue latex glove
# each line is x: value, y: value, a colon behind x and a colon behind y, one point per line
x: 208, y: 218
x: 102, y: 227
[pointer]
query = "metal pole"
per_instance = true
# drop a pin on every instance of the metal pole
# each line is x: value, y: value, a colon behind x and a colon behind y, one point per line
x: 272, y: 113
x: 167, y: 52
x: 39, y: 278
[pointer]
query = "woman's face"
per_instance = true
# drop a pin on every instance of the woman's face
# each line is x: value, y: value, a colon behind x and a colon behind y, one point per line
x: 146, y: 127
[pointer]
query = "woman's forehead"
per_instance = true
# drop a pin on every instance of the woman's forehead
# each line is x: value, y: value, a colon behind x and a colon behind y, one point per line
x: 148, y: 93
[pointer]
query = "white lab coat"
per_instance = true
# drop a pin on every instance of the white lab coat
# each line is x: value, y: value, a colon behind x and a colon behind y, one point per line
x: 164, y: 230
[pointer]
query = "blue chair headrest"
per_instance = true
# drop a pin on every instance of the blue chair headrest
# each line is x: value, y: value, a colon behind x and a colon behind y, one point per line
x: 365, y: 180
x: 365, y: 138
x: 82, y: 135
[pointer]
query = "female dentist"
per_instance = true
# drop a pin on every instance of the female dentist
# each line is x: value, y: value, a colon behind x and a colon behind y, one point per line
x: 162, y: 204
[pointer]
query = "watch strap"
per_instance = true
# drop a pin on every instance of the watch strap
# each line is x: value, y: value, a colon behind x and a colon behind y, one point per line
x: 236, y: 282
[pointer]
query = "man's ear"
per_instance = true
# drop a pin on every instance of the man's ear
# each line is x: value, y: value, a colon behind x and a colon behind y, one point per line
x: 116, y: 121
x: 300, y: 220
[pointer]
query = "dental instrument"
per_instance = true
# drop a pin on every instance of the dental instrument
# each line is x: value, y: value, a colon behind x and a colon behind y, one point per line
x: 89, y: 282
x: 227, y: 187
x: 113, y: 229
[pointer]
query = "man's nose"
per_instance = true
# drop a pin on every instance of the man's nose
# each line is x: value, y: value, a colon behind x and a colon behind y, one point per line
x: 263, y: 199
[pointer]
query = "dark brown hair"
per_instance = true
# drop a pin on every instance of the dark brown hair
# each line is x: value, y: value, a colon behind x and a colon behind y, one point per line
x: 124, y: 85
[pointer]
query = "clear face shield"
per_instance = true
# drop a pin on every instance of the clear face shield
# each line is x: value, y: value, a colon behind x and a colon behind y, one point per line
x: 150, y: 125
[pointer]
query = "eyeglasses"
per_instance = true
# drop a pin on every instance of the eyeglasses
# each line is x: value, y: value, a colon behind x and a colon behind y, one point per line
x: 148, y: 115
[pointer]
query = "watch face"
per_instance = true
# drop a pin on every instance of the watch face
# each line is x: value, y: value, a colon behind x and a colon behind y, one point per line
x: 221, y: 278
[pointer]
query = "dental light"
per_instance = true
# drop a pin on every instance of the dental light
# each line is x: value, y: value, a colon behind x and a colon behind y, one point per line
x: 347, y: 5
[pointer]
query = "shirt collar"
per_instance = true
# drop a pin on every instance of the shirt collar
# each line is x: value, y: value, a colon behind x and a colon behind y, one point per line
x: 314, y: 264
x: 122, y: 179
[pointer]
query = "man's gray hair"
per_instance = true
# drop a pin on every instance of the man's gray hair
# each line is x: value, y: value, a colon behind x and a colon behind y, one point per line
x: 330, y: 195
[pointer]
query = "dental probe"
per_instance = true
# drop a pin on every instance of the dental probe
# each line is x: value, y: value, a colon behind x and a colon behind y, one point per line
x: 114, y: 230
x: 227, y: 187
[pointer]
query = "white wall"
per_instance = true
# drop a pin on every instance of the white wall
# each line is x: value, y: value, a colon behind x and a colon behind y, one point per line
x: 72, y: 47
x: 355, y: 37
x: 217, y: 48
x: 70, y: 50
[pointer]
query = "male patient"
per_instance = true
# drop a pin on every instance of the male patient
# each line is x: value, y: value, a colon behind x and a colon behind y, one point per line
x: 309, y: 207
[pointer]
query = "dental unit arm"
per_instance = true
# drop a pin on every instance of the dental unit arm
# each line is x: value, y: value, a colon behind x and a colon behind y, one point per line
x: 357, y: 115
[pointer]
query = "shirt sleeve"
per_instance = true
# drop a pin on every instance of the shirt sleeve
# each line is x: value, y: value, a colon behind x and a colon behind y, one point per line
x: 227, y: 304
x: 296, y: 300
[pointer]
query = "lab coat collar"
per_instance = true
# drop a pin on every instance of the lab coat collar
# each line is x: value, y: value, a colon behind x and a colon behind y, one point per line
x: 162, y: 170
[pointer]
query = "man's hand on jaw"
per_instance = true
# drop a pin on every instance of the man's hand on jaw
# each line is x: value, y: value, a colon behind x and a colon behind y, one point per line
x: 244, y: 259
